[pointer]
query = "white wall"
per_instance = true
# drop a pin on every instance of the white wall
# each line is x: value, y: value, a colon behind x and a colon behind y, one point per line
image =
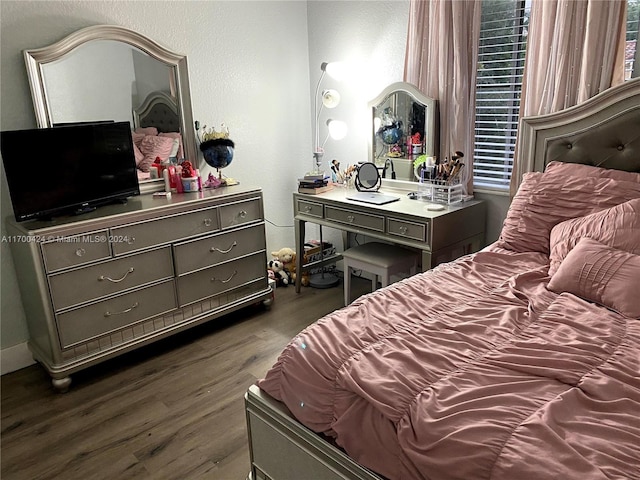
x: 252, y: 65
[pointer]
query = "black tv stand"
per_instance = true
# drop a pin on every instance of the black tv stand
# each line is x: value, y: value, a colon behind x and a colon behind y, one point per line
x: 83, y: 210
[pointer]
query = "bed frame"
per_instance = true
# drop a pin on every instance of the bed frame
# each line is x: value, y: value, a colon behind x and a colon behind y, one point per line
x: 604, y: 131
x: 158, y: 110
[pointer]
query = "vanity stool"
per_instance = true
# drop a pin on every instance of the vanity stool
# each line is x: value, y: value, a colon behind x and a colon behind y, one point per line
x: 380, y: 259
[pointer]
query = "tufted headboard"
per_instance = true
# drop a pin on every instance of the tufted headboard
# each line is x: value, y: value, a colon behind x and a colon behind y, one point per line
x: 603, y: 131
x: 158, y: 110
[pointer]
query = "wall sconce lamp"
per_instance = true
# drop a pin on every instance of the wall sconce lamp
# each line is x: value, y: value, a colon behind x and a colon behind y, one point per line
x: 330, y: 99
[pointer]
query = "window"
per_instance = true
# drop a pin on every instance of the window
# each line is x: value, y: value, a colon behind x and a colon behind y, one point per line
x: 503, y: 36
x: 633, y: 19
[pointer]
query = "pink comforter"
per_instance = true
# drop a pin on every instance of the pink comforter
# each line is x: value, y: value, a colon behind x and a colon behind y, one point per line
x: 491, y: 377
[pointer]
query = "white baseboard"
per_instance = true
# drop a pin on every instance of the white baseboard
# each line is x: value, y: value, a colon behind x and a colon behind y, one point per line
x: 15, y: 357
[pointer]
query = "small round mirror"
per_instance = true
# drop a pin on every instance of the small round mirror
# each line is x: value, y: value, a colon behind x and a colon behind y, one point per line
x: 367, y: 177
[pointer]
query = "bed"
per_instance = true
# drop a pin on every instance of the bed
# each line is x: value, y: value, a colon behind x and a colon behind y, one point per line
x: 156, y: 133
x: 521, y: 361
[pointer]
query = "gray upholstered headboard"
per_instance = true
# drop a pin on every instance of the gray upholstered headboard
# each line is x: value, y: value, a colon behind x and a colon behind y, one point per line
x: 158, y: 110
x: 603, y: 131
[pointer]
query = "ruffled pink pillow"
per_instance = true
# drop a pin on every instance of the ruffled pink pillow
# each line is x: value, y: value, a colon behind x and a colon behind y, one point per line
x: 153, y: 147
x: 147, y: 131
x: 510, y: 237
x: 617, y: 227
x: 138, y: 154
x: 601, y: 274
x: 556, y: 198
x: 580, y: 170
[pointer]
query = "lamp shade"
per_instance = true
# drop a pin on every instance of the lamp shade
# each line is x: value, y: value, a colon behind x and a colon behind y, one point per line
x: 330, y: 98
x: 337, y: 129
x: 335, y: 70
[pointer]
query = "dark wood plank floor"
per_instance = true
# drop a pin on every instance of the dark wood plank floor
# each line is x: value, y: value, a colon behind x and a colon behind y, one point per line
x: 172, y: 410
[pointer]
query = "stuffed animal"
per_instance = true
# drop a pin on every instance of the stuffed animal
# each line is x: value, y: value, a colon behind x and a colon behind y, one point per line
x: 281, y: 274
x: 287, y: 257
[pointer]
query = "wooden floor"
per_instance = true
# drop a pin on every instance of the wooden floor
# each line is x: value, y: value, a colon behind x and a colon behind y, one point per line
x: 172, y: 410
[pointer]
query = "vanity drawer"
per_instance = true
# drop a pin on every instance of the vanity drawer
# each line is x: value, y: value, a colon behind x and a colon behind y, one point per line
x: 212, y: 281
x: 76, y: 250
x: 205, y: 252
x: 234, y: 214
x: 354, y: 218
x: 107, y: 278
x: 309, y: 208
x: 100, y: 318
x: 135, y: 236
x: 405, y: 229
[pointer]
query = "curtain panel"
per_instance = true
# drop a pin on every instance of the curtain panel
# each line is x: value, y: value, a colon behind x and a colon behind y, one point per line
x: 575, y: 50
x: 441, y: 60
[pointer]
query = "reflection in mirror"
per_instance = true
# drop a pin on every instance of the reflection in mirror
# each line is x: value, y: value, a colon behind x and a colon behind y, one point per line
x: 110, y: 73
x: 404, y: 128
x: 367, y: 177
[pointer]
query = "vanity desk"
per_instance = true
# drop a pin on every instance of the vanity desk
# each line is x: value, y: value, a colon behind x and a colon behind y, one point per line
x: 109, y: 281
x: 441, y: 236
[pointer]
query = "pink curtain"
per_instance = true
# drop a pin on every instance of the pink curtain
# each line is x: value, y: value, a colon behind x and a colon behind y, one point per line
x: 441, y: 60
x: 575, y: 50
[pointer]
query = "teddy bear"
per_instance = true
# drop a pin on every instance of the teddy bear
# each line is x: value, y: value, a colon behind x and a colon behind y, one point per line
x: 287, y: 257
x: 281, y: 275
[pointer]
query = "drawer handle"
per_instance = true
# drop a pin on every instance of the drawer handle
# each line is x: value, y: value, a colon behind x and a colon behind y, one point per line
x: 116, y: 280
x: 216, y: 249
x: 403, y: 230
x: 350, y: 218
x: 80, y: 252
x: 243, y: 214
x: 213, y: 279
x: 308, y: 208
x: 108, y: 314
x: 207, y: 222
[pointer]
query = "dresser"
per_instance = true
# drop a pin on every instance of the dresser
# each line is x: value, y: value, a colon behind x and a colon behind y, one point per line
x: 440, y: 236
x: 103, y: 283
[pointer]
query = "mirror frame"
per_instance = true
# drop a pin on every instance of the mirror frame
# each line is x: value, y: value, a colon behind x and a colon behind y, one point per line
x: 36, y: 59
x: 430, y: 143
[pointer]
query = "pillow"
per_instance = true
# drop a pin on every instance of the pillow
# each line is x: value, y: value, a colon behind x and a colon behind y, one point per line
x: 509, y: 236
x: 138, y: 154
x: 147, y: 130
x: 153, y: 147
x: 600, y: 274
x: 177, y: 136
x: 556, y: 198
x: 581, y: 170
x: 137, y: 138
x: 617, y: 227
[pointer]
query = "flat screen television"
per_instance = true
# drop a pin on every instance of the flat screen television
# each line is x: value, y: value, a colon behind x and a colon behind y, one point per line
x: 68, y: 169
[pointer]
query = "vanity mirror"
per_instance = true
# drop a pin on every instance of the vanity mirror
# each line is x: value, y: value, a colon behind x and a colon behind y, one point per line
x: 111, y: 73
x: 403, y: 127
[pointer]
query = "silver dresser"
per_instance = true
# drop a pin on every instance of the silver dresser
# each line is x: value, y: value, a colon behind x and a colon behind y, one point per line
x: 103, y: 283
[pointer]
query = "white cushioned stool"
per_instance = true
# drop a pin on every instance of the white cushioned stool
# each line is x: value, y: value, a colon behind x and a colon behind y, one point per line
x: 380, y: 259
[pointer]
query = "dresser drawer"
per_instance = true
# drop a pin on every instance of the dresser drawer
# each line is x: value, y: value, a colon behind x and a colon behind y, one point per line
x: 107, y: 278
x: 309, y: 208
x: 107, y: 316
x: 76, y: 250
x: 222, y: 247
x: 405, y: 229
x: 234, y: 214
x: 135, y: 236
x: 354, y: 218
x: 212, y: 281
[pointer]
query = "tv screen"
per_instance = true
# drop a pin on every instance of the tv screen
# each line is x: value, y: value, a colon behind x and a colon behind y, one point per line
x: 68, y: 169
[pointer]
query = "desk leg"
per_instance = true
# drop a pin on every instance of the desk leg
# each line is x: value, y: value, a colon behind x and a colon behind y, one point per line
x: 300, y: 233
x: 426, y: 260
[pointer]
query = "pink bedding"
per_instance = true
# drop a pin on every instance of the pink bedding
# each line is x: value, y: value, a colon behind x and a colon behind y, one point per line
x: 472, y: 371
x: 475, y: 370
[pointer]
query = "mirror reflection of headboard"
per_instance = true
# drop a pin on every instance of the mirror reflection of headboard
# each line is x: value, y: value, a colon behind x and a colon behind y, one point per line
x: 142, y: 67
x: 158, y: 110
x: 397, y: 113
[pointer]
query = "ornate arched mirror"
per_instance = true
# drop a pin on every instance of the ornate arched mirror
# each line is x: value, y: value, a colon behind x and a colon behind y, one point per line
x: 403, y: 128
x: 111, y: 73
